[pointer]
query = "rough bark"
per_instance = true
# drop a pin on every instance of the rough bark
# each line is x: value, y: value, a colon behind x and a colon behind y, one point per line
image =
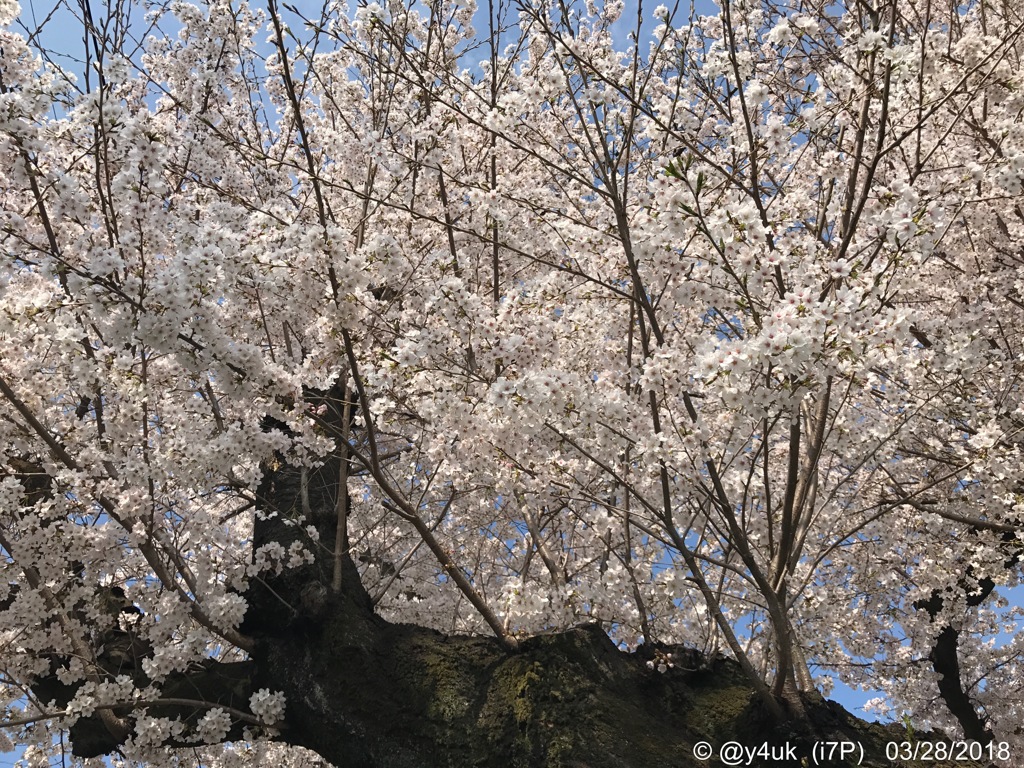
x: 366, y: 693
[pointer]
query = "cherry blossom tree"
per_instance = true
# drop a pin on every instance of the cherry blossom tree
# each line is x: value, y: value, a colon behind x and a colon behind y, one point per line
x: 327, y: 330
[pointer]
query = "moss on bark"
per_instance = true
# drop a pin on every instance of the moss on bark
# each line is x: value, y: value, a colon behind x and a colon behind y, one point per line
x: 365, y: 693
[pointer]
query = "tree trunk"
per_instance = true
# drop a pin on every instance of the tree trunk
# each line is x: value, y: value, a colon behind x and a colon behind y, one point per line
x: 366, y: 693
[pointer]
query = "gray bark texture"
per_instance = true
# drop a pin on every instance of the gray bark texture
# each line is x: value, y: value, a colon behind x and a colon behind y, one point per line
x: 366, y: 693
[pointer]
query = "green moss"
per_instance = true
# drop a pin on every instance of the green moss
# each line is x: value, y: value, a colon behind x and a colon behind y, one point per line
x: 369, y: 694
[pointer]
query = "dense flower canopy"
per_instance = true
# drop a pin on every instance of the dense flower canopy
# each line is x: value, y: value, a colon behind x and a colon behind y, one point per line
x: 714, y: 337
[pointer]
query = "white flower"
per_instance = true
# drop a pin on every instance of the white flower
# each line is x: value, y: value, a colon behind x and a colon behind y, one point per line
x: 986, y: 437
x: 214, y: 726
x: 807, y: 25
x: 369, y: 14
x: 9, y: 11
x: 756, y: 91
x: 83, y: 705
x: 298, y: 555
x: 117, y: 70
x: 227, y: 611
x: 267, y: 706
x: 839, y: 269
x: 781, y: 34
x: 870, y: 40
x: 33, y: 756
x: 904, y: 229
x: 154, y: 731
x: 502, y: 389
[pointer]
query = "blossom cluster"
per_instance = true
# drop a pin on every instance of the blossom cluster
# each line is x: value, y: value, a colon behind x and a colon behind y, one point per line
x: 714, y: 340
